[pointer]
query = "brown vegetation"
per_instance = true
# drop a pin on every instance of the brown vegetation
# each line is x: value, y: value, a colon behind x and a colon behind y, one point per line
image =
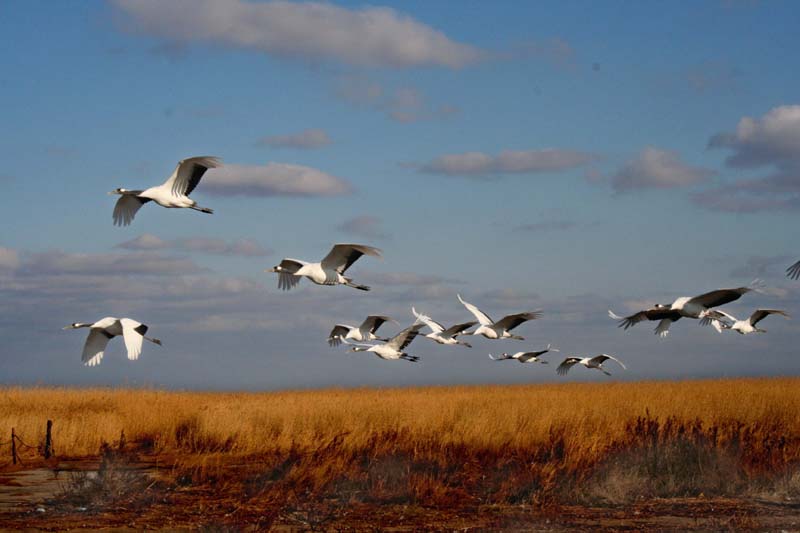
x: 449, y: 447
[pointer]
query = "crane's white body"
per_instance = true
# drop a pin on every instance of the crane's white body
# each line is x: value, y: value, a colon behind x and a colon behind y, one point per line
x: 105, y: 329
x: 502, y: 328
x: 442, y: 335
x: 724, y: 320
x: 595, y: 362
x: 329, y: 271
x: 321, y: 275
x: 696, y: 307
x: 172, y: 194
x: 525, y: 357
x: 393, y: 348
x: 364, y: 332
x: 358, y: 334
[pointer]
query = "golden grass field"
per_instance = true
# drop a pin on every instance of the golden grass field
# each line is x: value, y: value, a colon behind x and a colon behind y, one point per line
x: 499, y: 443
x: 480, y: 417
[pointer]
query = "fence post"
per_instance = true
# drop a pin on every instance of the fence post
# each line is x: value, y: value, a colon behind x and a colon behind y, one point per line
x: 13, y: 446
x: 48, y: 442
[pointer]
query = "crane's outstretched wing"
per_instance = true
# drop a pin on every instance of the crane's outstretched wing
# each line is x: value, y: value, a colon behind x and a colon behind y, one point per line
x: 342, y: 256
x: 133, y: 335
x: 720, y: 297
x: 603, y: 357
x: 482, y: 317
x: 457, y: 329
x: 95, y: 346
x: 337, y: 334
x: 428, y: 321
x: 373, y: 322
x: 509, y: 322
x: 524, y: 357
x: 286, y: 277
x: 654, y: 313
x: 188, y: 172
x: 717, y: 318
x: 566, y: 364
x: 404, y: 338
x: 760, y: 314
x: 126, y: 207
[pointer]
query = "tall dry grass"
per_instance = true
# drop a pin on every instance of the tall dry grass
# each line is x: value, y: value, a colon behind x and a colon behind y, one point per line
x: 506, y: 443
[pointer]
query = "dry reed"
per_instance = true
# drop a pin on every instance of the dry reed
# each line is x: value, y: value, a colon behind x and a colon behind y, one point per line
x: 495, y: 443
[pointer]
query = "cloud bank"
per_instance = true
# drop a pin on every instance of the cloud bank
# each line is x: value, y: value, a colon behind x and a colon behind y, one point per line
x: 654, y: 168
x: 308, y: 31
x: 772, y: 141
x: 480, y: 164
x: 273, y: 179
x: 241, y: 247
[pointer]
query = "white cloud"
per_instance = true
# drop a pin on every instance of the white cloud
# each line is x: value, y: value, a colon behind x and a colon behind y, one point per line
x: 507, y: 162
x: 772, y: 141
x: 309, y: 31
x: 241, y: 247
x: 273, y: 179
x: 306, y: 139
x: 654, y: 168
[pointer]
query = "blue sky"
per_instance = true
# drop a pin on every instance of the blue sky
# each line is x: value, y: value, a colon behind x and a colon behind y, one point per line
x: 565, y: 156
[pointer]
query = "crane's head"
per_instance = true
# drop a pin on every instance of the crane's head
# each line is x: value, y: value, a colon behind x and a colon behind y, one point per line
x: 118, y: 191
x: 276, y: 269
x: 76, y: 325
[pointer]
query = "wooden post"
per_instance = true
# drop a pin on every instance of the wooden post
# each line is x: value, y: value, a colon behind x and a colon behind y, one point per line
x: 13, y: 446
x: 48, y: 441
x: 122, y: 440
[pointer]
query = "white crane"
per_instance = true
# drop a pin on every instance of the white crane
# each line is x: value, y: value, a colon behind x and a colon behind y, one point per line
x: 393, y: 348
x: 794, y: 271
x: 173, y: 193
x: 589, y: 362
x: 441, y: 334
x: 744, y: 327
x: 685, y: 306
x: 525, y: 357
x: 105, y: 329
x: 364, y: 332
x: 502, y: 328
x: 329, y: 271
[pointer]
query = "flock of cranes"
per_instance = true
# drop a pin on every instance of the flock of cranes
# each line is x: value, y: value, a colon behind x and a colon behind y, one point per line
x: 174, y: 193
